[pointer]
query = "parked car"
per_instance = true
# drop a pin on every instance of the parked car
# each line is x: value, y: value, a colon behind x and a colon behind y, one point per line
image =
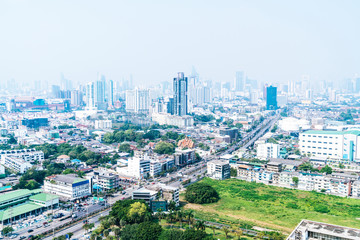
x: 30, y: 230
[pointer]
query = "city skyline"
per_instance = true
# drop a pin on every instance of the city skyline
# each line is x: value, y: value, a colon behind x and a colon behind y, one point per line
x: 272, y: 42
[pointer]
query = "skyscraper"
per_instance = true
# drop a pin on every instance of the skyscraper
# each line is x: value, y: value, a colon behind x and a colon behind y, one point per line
x: 90, y: 95
x: 180, y: 87
x: 239, y: 84
x: 271, y: 98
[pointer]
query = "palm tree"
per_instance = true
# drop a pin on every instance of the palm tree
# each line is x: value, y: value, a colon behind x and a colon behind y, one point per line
x: 122, y: 223
x: 189, y: 215
x: 106, y: 232
x: 117, y: 231
x: 179, y: 217
x: 213, y: 228
x: 260, y: 235
x: 112, y: 220
x: 200, y: 225
x: 226, y: 231
x: 239, y: 233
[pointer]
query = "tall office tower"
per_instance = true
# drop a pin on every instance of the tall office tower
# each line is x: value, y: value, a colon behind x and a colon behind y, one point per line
x: 271, y: 98
x: 90, y: 95
x: 55, y: 91
x: 180, y: 86
x: 110, y: 93
x: 138, y: 100
x: 99, y: 94
x: 309, y: 94
x: 239, y: 83
x: 65, y: 83
x: 254, y: 97
x: 76, y: 98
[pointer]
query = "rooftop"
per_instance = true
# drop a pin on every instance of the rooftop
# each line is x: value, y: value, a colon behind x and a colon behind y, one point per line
x: 70, y: 178
x: 18, y: 210
x: 43, y: 197
x: 328, y: 229
x: 354, y: 132
x: 17, y: 194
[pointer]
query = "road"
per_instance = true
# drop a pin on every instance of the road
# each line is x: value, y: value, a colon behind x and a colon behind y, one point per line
x: 77, y: 229
x: 56, y: 223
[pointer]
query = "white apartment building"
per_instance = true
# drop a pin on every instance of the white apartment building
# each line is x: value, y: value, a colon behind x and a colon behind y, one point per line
x: 67, y: 187
x: 2, y: 170
x: 138, y: 100
x: 29, y: 155
x: 217, y: 169
x: 267, y: 150
x: 356, y: 189
x: 155, y: 168
x: 103, y: 124
x: 16, y: 164
x: 139, y: 167
x: 331, y: 144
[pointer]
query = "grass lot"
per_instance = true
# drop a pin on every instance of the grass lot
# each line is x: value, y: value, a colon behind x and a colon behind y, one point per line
x: 274, y: 207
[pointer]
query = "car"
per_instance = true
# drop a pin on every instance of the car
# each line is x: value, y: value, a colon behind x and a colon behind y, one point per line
x: 22, y: 237
x: 30, y: 230
x: 12, y: 236
x: 38, y: 226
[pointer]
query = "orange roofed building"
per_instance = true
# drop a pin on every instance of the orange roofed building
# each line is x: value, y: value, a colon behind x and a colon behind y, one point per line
x: 186, y: 143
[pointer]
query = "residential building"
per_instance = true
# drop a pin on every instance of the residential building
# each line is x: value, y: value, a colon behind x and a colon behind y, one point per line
x: 103, y: 124
x: 267, y: 150
x: 310, y: 230
x: 67, y: 187
x: 138, y: 100
x: 155, y: 168
x: 356, y: 189
x: 16, y: 164
x: 35, y: 122
x: 219, y: 170
x: 144, y: 194
x: 167, y: 119
x: 139, y: 167
x: 233, y: 133
x: 106, y: 181
x: 184, y: 157
x: 29, y: 155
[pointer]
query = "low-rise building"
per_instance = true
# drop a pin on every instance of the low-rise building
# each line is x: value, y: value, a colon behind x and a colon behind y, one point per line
x: 29, y: 155
x: 184, y: 157
x: 308, y: 230
x: 106, y: 181
x: 67, y: 187
x: 217, y: 169
x: 18, y: 165
x: 267, y: 150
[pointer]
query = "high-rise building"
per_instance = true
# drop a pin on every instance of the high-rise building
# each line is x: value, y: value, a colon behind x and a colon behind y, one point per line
x: 137, y: 100
x: 76, y: 98
x: 110, y: 93
x: 239, y: 83
x: 90, y: 95
x: 180, y: 86
x: 271, y: 98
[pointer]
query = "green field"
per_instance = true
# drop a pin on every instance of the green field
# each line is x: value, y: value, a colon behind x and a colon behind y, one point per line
x: 275, y: 207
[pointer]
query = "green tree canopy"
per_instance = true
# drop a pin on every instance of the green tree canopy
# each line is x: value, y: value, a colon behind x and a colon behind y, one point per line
x: 164, y: 148
x: 201, y: 193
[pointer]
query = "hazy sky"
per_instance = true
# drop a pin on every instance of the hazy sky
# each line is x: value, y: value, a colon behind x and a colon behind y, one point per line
x: 272, y: 40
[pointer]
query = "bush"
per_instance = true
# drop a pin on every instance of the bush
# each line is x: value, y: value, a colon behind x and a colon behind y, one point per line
x: 321, y: 209
x: 201, y: 193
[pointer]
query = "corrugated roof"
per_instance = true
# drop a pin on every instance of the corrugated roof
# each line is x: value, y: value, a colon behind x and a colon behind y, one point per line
x: 44, y: 197
x: 18, y: 210
x: 354, y: 132
x: 16, y: 194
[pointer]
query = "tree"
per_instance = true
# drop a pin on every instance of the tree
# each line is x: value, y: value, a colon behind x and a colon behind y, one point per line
x: 226, y: 231
x: 295, y: 180
x: 129, y: 232
x: 213, y: 228
x: 148, y: 231
x: 239, y: 233
x: 173, y: 234
x: 326, y: 169
x: 164, y: 148
x: 201, y: 193
x: 120, y: 210
x: 137, y: 212
x: 200, y: 225
x: 125, y: 147
x: 7, y: 230
x: 192, y: 234
x: 233, y: 172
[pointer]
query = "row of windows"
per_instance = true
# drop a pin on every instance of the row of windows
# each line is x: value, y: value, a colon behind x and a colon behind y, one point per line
x: 318, y: 147
x: 319, y: 136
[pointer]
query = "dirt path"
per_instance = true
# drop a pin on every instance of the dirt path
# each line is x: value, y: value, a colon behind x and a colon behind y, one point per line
x: 198, y: 207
